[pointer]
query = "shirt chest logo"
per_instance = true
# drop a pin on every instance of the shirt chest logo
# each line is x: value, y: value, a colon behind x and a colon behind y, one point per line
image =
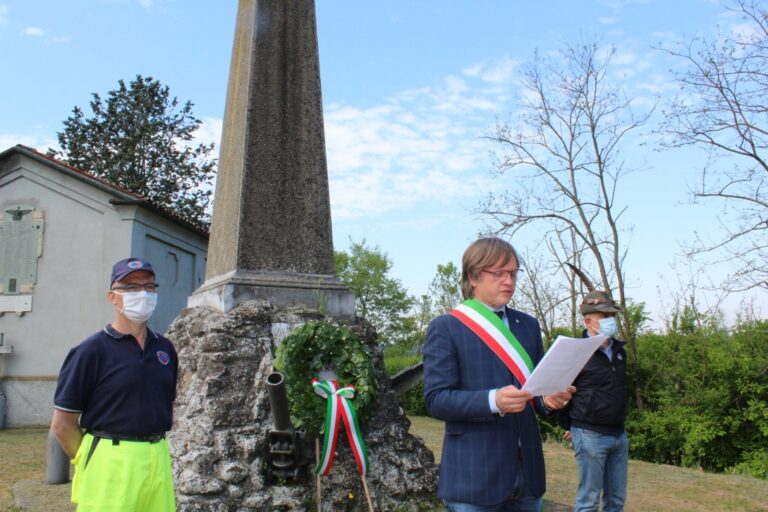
x: 163, y: 357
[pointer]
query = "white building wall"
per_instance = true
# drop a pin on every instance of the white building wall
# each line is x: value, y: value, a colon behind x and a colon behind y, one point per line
x: 83, y: 237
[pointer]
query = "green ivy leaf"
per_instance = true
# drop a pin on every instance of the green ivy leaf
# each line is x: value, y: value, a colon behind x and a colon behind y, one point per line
x: 306, y: 351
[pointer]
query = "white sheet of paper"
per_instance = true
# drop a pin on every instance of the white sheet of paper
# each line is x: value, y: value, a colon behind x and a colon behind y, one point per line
x: 561, y: 364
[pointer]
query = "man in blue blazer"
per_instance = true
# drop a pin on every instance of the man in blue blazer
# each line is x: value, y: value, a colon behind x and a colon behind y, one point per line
x: 492, y: 458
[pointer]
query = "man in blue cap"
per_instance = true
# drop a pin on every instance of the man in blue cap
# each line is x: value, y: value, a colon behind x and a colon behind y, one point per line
x: 118, y: 386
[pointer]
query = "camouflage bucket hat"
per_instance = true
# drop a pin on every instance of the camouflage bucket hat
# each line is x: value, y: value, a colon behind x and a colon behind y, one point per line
x: 598, y: 302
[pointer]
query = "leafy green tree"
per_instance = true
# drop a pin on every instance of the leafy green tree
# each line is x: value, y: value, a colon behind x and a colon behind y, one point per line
x: 141, y: 139
x: 443, y: 295
x: 637, y: 317
x: 445, y: 288
x: 423, y: 312
x: 379, y: 298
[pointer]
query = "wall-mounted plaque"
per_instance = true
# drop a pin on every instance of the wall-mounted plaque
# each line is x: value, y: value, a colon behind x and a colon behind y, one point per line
x: 21, y: 244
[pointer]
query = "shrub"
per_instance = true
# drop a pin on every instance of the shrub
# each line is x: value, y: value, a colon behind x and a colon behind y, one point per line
x: 706, y: 397
x: 397, y: 358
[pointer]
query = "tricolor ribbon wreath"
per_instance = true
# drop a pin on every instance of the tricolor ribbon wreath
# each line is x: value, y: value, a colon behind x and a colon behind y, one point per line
x: 339, y: 409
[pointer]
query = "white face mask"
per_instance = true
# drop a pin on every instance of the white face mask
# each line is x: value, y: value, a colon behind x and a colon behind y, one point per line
x: 138, y: 306
x: 607, y: 326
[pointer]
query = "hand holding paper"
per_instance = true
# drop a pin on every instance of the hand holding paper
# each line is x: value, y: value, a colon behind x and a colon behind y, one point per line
x: 510, y: 399
x: 561, y: 364
x: 559, y: 400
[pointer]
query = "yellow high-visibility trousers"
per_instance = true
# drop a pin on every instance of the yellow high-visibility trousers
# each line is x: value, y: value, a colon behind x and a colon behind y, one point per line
x: 130, y: 476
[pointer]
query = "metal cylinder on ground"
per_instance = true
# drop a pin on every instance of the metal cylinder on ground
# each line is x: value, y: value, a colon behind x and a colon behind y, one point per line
x: 3, y: 404
x: 56, y: 462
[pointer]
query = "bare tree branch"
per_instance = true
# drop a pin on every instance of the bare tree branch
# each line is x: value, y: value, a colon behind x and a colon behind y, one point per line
x: 723, y: 109
x: 562, y: 159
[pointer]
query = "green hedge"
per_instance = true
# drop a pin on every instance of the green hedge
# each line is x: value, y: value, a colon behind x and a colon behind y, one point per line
x: 705, y: 391
x: 395, y: 359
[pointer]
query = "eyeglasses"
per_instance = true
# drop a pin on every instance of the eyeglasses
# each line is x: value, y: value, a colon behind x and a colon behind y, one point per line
x: 131, y: 288
x: 498, y: 275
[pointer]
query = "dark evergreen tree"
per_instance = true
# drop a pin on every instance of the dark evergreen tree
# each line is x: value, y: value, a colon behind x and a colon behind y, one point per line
x: 140, y: 138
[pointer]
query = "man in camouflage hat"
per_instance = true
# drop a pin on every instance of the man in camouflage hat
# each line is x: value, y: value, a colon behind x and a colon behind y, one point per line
x: 594, y: 418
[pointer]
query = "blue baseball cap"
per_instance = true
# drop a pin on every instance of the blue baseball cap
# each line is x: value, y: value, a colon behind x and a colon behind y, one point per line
x: 124, y: 267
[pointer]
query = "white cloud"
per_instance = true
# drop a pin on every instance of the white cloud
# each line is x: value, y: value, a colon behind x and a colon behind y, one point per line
x: 744, y: 32
x: 34, y: 31
x: 38, y: 142
x: 146, y: 4
x: 658, y: 84
x: 418, y: 148
x: 375, y: 192
x: 473, y: 70
x: 498, y: 72
x: 626, y: 58
x: 49, y: 37
x: 60, y: 39
x: 501, y: 72
x: 609, y: 20
x: 617, y: 5
x: 3, y: 14
x: 666, y: 36
x: 422, y: 149
x: 209, y: 132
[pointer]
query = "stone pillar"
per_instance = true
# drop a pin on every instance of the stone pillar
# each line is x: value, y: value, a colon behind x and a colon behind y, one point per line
x: 271, y: 229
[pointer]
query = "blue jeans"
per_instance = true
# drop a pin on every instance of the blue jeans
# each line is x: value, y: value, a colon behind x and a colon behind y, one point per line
x: 602, y: 461
x: 521, y: 501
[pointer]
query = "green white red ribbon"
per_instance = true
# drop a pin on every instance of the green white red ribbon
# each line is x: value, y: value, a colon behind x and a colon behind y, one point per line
x: 489, y: 328
x: 339, y: 409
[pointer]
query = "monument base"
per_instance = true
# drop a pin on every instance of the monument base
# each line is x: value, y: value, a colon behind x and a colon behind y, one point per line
x: 323, y: 293
x: 223, y: 424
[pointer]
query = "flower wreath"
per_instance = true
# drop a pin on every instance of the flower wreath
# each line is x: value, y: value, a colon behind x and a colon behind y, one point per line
x: 319, y: 346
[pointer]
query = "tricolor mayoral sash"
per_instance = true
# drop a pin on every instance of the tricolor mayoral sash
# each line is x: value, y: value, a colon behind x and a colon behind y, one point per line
x: 494, y: 333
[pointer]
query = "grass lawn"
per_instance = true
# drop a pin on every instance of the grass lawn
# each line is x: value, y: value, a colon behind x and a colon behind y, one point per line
x: 22, y: 457
x: 652, y: 487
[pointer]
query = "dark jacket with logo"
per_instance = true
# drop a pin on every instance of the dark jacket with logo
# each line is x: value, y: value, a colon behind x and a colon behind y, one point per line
x: 600, y: 401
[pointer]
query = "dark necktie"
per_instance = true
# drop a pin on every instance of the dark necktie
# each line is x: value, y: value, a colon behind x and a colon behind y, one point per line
x: 500, y: 314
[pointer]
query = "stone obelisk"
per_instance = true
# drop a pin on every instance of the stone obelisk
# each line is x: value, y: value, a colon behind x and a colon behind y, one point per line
x: 271, y: 228
x: 270, y: 250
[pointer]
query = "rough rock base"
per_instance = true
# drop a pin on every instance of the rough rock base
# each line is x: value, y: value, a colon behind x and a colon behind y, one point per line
x: 222, y: 419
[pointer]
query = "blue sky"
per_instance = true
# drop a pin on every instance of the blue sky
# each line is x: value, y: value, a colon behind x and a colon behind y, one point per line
x: 409, y: 89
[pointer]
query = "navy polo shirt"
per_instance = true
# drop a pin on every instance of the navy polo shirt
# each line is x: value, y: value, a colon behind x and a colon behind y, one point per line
x: 117, y: 386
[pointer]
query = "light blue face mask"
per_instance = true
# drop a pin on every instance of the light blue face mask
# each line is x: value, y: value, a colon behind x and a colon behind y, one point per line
x: 607, y: 327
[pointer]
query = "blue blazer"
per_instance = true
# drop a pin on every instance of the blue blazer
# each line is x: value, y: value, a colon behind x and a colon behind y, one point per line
x: 482, y: 451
